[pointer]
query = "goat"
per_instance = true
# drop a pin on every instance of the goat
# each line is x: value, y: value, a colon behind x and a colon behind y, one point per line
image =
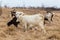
x: 31, y: 20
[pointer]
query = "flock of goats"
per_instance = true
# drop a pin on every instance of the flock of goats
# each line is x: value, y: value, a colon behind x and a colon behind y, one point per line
x: 30, y: 21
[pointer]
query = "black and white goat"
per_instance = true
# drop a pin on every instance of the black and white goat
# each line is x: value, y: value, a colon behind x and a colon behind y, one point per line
x: 13, y: 21
x: 48, y: 16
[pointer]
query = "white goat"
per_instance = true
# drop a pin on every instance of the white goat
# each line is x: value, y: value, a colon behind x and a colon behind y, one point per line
x: 31, y: 20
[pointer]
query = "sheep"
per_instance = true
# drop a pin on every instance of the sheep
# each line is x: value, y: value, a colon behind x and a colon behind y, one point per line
x: 48, y: 16
x: 30, y: 20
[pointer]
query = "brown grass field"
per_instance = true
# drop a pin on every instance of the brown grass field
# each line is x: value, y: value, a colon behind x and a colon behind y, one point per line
x: 13, y: 33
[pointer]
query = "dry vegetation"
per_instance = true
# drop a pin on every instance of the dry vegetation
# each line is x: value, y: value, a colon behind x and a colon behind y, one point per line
x: 13, y: 33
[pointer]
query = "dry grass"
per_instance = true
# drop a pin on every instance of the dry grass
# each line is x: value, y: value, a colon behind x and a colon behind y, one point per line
x: 13, y: 33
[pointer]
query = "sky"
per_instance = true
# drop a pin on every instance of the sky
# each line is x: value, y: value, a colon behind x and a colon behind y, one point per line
x: 34, y: 3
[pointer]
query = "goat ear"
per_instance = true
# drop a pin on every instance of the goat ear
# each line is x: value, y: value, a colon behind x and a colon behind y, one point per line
x: 53, y: 13
x: 23, y: 14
